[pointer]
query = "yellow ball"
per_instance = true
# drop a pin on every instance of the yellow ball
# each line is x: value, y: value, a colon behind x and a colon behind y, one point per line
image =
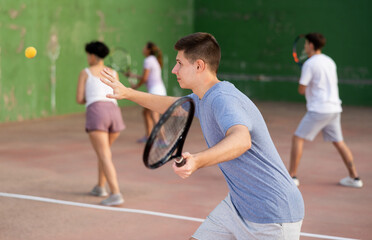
x: 30, y: 52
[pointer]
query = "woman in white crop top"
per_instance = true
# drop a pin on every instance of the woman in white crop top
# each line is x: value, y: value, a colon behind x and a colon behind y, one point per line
x: 151, y: 76
x: 103, y: 121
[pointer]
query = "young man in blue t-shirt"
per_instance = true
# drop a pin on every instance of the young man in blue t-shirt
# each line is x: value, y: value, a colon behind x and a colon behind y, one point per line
x: 263, y: 202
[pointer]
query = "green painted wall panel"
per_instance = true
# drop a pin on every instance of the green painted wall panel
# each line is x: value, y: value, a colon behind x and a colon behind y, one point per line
x: 59, y: 30
x: 287, y: 91
x: 255, y: 36
x: 256, y: 39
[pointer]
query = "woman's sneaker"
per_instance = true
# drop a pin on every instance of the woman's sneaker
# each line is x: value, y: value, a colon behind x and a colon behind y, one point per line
x: 99, y: 192
x: 296, y: 181
x: 114, y: 199
x: 351, y: 182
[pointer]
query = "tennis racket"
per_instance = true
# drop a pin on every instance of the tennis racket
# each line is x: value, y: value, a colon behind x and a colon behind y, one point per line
x: 120, y: 61
x: 168, y: 135
x: 298, y: 50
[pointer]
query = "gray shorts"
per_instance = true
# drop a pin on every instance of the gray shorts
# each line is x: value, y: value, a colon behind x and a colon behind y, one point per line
x: 224, y: 223
x: 104, y: 116
x: 312, y: 123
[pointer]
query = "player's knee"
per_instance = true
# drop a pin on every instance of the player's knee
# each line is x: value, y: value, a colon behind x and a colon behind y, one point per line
x: 296, y: 138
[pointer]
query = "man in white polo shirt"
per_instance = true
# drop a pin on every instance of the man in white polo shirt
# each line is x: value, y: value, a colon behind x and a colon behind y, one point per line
x: 318, y: 83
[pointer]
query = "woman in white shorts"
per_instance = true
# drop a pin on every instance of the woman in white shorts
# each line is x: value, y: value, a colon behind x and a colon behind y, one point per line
x: 152, y: 77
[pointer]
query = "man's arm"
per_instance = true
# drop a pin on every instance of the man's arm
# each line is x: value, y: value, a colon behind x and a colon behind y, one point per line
x: 153, y: 102
x: 301, y: 89
x: 236, y: 142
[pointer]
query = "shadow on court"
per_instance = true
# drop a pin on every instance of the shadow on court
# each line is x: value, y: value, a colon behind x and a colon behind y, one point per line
x: 50, y: 165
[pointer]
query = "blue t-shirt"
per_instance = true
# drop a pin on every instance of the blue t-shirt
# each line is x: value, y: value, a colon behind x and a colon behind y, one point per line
x: 260, y: 186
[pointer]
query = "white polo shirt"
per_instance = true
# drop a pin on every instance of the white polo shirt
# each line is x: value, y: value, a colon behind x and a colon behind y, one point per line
x: 319, y: 75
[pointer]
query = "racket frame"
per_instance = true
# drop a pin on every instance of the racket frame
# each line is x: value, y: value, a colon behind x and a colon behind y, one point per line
x: 294, y: 51
x: 178, y: 145
x: 121, y: 69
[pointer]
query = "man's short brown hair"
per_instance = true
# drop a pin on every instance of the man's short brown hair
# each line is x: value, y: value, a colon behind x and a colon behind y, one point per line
x: 317, y: 39
x: 200, y: 46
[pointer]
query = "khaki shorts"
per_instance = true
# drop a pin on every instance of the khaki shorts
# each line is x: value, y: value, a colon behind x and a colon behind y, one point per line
x: 312, y: 123
x: 224, y: 223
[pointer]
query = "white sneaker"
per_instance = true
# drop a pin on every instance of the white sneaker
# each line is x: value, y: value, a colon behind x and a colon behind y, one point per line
x: 99, y: 191
x: 296, y: 181
x: 351, y: 182
x: 113, y: 200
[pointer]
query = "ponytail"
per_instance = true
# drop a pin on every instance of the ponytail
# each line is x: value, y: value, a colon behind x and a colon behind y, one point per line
x: 155, y: 51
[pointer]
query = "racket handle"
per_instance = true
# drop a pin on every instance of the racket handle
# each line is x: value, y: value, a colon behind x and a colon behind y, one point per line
x: 180, y: 162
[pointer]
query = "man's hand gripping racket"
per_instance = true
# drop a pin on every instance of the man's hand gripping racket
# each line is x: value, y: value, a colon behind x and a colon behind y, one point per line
x: 169, y: 134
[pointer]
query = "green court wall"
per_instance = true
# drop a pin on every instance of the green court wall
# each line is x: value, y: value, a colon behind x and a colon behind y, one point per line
x: 256, y: 38
x: 59, y: 29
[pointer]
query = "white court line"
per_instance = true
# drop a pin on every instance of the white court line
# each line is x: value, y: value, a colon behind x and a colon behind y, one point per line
x: 62, y: 202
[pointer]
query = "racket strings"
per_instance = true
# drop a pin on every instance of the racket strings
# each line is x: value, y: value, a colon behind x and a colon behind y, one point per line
x: 120, y: 60
x: 168, y: 135
x: 301, y: 54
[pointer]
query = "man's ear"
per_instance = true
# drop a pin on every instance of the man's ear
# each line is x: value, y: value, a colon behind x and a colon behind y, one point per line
x: 200, y: 65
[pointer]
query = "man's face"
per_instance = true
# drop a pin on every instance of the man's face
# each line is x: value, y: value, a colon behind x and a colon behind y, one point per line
x: 185, y: 71
x: 309, y: 48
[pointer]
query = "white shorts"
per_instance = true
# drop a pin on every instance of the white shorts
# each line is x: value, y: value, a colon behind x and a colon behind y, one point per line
x: 224, y: 223
x: 157, y: 90
x: 312, y: 123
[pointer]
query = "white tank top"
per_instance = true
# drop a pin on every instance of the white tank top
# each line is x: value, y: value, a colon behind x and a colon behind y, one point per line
x: 95, y: 90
